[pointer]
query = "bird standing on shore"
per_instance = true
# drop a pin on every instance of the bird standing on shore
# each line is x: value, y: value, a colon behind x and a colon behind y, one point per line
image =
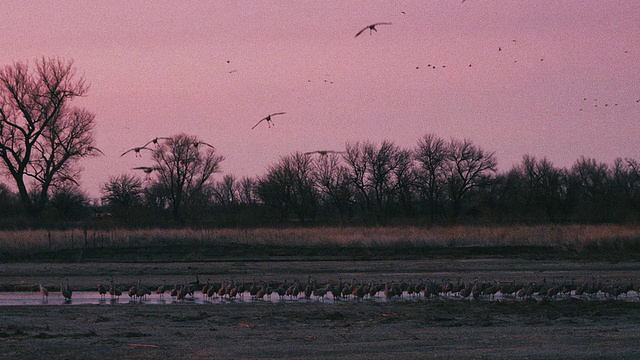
x: 44, y: 292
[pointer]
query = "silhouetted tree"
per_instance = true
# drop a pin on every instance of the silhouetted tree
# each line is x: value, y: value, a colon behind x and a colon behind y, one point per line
x: 626, y: 176
x: 69, y: 202
x: 123, y: 193
x: 595, y: 181
x: 42, y: 136
x: 431, y: 155
x: 185, y: 165
x: 288, y: 187
x: 332, y: 180
x: 226, y: 192
x: 376, y: 173
x: 467, y: 167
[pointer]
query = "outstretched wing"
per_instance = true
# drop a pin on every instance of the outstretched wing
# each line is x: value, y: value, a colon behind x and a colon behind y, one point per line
x: 278, y: 113
x: 196, y: 144
x: 155, y: 141
x: 93, y: 148
x: 261, y: 120
x: 136, y: 149
x: 361, y: 31
x: 126, y: 152
x: 372, y: 26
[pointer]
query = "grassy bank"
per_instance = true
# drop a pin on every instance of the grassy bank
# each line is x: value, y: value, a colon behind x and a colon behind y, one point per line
x: 610, y: 241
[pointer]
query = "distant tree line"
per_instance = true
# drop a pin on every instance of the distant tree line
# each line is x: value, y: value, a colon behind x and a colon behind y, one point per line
x: 438, y: 181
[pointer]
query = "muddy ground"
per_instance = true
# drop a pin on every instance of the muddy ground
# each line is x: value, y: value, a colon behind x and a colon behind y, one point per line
x: 301, y: 329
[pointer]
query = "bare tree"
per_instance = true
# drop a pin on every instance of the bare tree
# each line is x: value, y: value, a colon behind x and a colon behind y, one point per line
x: 289, y: 188
x: 42, y: 136
x: 332, y: 179
x: 467, y: 167
x: 247, y: 190
x: 626, y: 176
x: 226, y: 192
x: 184, y: 169
x: 69, y: 202
x: 377, y: 174
x: 431, y: 155
x: 122, y: 192
x: 595, y: 180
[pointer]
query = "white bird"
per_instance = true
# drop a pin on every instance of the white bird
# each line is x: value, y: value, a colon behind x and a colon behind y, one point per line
x: 372, y: 28
x: 268, y: 119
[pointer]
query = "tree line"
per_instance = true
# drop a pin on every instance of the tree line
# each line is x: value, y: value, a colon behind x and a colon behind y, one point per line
x: 437, y: 181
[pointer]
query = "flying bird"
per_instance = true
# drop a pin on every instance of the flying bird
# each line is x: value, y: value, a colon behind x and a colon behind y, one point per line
x: 146, y: 169
x: 268, y: 119
x: 372, y: 28
x: 155, y: 141
x: 323, y: 152
x: 136, y: 150
x: 93, y: 148
x: 198, y: 143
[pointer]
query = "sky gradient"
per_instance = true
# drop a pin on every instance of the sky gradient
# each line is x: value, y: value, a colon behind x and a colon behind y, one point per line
x: 510, y: 75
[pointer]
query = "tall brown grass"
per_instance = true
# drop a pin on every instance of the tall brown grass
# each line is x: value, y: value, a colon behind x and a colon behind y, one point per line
x: 579, y: 238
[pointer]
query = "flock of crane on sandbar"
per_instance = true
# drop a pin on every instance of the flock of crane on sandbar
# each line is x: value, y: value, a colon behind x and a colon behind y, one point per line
x: 361, y: 290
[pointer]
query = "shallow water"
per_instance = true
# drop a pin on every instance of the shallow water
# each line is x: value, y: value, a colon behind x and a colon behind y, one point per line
x: 93, y: 298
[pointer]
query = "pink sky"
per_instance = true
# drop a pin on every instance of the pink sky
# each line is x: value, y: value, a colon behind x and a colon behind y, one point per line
x: 161, y: 69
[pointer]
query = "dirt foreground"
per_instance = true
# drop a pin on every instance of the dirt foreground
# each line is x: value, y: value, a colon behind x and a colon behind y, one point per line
x: 314, y: 329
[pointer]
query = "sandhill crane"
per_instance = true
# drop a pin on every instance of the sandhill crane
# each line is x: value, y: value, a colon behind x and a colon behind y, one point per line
x: 113, y: 291
x: 136, y: 150
x: 160, y: 290
x: 174, y: 291
x: 146, y: 169
x: 323, y: 152
x: 93, y: 148
x: 205, y: 288
x: 155, y: 141
x: 182, y: 293
x: 66, y: 291
x: 192, y: 286
x: 102, y: 290
x: 213, y: 290
x: 198, y: 143
x: 372, y: 28
x: 44, y: 292
x: 268, y: 119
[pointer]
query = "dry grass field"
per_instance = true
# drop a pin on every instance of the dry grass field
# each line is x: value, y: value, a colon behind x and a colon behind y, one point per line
x: 348, y: 328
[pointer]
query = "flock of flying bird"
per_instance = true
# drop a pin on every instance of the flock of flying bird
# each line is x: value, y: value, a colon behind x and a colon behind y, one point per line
x: 340, y: 290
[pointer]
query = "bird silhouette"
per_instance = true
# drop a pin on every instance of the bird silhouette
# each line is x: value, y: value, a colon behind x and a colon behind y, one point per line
x: 198, y: 143
x: 93, y: 148
x: 372, y: 28
x: 155, y: 141
x: 268, y: 119
x: 323, y: 152
x: 146, y: 169
x: 44, y: 292
x: 136, y: 150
